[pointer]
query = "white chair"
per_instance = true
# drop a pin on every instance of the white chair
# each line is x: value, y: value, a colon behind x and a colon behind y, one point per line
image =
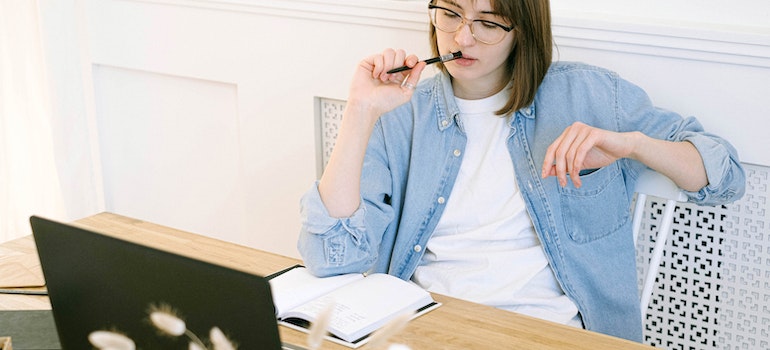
x: 652, y: 183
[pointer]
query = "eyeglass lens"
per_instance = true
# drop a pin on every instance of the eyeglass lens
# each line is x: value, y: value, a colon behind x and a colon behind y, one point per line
x: 449, y: 21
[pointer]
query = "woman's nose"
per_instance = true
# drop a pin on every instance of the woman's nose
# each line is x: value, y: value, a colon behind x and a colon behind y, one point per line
x: 464, y: 35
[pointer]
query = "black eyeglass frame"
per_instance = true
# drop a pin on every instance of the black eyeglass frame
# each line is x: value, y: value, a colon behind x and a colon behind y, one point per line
x: 435, y: 7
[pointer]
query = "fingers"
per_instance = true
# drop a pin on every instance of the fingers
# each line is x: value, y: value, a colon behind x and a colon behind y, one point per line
x: 559, y: 164
x: 392, y: 58
x: 379, y: 91
x: 410, y: 83
x: 385, y: 61
x: 567, y: 154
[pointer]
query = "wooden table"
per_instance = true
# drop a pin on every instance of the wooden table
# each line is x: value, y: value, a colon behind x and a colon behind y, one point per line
x: 457, y: 324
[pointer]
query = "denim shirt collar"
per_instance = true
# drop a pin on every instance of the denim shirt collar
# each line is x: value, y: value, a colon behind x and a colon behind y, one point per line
x: 449, y: 113
x: 528, y: 111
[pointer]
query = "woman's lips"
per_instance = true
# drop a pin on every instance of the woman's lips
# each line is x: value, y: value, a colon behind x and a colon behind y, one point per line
x: 464, y: 61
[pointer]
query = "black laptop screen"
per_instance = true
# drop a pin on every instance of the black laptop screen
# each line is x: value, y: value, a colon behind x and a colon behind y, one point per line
x: 96, y: 282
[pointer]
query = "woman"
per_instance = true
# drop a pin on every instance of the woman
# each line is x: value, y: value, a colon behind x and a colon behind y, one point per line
x: 505, y: 179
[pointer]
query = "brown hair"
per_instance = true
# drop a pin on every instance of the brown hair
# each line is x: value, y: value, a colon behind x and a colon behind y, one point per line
x: 531, y: 55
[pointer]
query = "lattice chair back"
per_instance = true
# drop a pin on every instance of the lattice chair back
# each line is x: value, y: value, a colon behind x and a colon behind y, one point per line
x: 652, y: 183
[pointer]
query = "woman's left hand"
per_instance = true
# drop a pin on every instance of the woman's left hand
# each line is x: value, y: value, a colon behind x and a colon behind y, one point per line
x: 580, y: 147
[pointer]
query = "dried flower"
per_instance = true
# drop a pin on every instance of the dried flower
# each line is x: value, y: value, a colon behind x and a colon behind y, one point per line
x: 219, y: 340
x: 107, y: 340
x: 319, y: 327
x: 168, y: 323
x: 393, y: 327
x: 165, y: 319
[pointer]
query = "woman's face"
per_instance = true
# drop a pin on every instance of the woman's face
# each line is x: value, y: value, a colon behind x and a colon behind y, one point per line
x: 482, y: 70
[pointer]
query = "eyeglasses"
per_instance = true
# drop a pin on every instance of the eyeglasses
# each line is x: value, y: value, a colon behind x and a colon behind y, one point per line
x: 485, y: 31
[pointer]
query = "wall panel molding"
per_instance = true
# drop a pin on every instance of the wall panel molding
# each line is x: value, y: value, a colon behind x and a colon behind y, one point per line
x: 672, y: 40
x: 384, y: 13
x: 663, y: 40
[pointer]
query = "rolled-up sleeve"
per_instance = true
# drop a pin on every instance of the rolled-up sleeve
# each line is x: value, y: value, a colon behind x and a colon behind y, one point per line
x: 726, y: 177
x: 328, y: 245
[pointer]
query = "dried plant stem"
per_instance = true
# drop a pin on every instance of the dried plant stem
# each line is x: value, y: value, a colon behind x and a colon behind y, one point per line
x: 194, y: 338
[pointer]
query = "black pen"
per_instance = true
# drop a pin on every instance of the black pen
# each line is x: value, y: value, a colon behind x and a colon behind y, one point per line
x: 443, y: 58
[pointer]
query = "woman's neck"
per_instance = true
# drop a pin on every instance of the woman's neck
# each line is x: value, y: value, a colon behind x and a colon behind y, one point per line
x: 474, y: 90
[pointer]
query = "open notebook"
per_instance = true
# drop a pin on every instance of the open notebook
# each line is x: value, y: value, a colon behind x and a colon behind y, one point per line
x: 96, y: 282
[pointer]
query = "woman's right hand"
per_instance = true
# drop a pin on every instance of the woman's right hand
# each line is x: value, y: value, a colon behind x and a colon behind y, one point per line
x: 377, y: 92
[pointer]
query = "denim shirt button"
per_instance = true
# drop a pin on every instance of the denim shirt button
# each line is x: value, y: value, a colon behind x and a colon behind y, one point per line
x: 457, y: 153
x: 417, y: 248
x: 441, y: 200
x: 444, y: 122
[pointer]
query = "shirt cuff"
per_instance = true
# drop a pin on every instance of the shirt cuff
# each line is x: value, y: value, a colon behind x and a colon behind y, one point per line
x: 316, y: 219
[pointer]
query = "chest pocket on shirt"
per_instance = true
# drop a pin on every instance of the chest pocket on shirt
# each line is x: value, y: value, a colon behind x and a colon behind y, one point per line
x: 598, y: 208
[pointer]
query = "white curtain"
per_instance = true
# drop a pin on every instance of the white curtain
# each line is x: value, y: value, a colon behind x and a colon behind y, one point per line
x: 36, y: 147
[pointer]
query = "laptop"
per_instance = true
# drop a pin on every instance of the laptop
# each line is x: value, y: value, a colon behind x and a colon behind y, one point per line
x: 100, y: 283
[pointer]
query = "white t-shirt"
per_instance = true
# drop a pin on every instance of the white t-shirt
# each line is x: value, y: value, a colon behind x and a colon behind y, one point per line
x: 484, y: 248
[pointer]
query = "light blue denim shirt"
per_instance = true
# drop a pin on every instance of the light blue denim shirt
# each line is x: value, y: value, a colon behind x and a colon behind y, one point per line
x: 414, y: 155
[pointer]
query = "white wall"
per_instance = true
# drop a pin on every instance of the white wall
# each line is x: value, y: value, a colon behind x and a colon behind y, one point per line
x: 204, y: 110
x: 741, y: 15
